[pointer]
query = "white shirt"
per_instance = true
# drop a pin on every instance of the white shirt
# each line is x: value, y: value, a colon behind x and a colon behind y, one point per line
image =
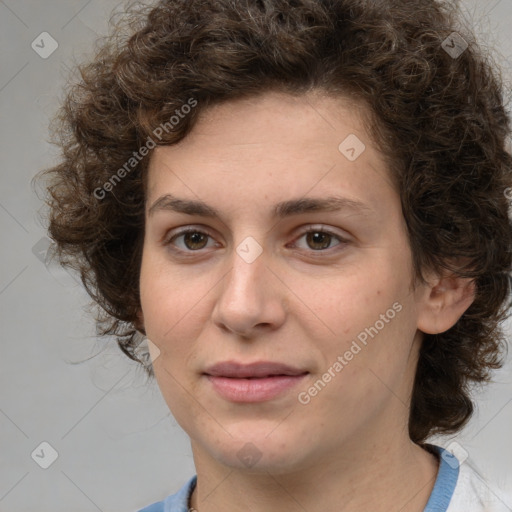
x: 473, y: 493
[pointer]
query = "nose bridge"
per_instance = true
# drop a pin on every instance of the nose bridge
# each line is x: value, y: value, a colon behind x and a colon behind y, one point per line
x: 248, y: 268
x: 247, y: 296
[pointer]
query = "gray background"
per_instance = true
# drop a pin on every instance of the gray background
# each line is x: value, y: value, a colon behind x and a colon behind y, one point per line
x: 118, y: 446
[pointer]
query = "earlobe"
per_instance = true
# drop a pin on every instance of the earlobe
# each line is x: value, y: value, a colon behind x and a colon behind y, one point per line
x: 444, y: 302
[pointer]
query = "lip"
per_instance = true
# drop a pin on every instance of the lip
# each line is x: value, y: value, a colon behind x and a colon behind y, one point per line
x: 254, y: 382
x: 233, y: 369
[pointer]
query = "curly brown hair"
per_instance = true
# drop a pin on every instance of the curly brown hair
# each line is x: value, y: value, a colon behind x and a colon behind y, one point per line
x: 437, y: 114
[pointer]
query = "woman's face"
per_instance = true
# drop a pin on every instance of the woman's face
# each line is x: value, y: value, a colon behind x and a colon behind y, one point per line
x: 250, y: 285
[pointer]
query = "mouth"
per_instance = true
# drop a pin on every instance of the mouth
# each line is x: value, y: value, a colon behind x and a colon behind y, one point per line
x: 257, y: 370
x: 255, y: 382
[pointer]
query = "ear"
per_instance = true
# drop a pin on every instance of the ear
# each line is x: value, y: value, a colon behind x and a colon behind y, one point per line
x: 443, y: 301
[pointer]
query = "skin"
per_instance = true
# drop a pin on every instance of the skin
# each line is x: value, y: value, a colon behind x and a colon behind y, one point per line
x: 297, y: 303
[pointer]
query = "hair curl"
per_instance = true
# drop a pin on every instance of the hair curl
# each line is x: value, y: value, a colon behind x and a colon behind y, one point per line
x: 440, y: 122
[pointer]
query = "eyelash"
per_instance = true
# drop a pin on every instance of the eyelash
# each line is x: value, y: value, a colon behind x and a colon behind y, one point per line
x: 169, y: 241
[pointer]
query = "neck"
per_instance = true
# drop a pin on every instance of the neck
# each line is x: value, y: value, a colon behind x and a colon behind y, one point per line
x: 394, y: 476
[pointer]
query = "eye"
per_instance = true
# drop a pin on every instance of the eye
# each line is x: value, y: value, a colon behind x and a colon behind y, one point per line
x: 319, y: 239
x: 193, y: 239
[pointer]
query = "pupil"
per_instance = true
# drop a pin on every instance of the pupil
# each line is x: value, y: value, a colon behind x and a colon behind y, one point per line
x: 317, y: 237
x: 194, y: 238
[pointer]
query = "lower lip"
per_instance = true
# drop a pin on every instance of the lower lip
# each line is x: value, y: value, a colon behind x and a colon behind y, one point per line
x: 253, y: 390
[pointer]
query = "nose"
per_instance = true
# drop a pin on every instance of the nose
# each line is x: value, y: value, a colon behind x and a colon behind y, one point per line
x: 251, y: 297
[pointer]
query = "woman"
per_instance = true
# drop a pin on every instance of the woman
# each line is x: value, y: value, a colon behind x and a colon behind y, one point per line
x: 301, y: 205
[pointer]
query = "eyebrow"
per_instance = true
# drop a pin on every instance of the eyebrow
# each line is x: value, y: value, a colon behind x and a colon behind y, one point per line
x: 168, y: 202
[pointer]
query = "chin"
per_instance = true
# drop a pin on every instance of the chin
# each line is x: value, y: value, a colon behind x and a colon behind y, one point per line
x: 258, y: 450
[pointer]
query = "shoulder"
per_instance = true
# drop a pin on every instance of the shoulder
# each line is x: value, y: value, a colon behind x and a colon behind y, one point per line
x: 473, y: 493
x: 175, y: 502
x: 459, y: 487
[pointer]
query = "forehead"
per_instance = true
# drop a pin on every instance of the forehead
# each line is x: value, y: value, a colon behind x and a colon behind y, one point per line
x: 274, y: 145
x: 307, y: 118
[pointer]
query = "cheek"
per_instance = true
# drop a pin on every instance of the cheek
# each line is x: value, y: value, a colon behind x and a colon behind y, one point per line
x: 169, y: 319
x: 358, y: 300
x: 373, y: 322
x: 368, y: 372
x: 168, y: 301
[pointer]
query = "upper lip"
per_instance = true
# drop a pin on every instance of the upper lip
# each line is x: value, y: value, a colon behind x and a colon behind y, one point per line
x: 258, y: 369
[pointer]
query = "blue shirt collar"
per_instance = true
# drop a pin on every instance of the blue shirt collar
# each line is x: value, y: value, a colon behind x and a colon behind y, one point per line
x: 446, y: 480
